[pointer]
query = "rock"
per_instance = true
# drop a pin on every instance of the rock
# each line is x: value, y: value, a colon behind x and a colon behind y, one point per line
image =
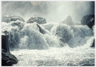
x: 93, y: 44
x: 7, y: 58
x: 11, y: 18
x: 41, y: 30
x: 4, y: 42
x: 88, y: 20
x: 68, y: 21
x: 38, y: 20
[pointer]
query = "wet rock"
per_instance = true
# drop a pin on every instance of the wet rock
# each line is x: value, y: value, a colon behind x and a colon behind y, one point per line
x: 88, y: 20
x: 11, y: 18
x: 93, y: 44
x: 38, y: 20
x: 5, y: 42
x: 7, y: 58
x: 40, y: 29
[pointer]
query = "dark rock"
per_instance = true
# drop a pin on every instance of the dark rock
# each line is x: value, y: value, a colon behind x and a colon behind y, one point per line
x: 5, y: 42
x: 88, y: 65
x: 41, y: 30
x: 88, y: 20
x: 38, y: 20
x: 11, y: 18
x: 93, y: 44
x: 7, y: 58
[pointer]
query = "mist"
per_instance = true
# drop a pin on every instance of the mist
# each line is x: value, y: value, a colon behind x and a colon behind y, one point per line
x: 52, y: 11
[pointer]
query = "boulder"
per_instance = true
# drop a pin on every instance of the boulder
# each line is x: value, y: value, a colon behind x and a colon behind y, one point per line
x: 38, y: 20
x: 11, y: 18
x: 7, y: 58
x: 88, y: 20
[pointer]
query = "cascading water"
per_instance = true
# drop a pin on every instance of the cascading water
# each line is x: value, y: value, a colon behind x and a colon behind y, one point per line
x: 59, y: 45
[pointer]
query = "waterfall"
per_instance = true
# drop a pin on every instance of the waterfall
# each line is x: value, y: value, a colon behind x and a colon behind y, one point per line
x: 44, y: 45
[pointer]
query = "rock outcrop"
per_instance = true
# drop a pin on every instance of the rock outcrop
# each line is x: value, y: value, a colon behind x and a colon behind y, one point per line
x: 7, y: 58
x: 38, y: 20
x: 88, y: 20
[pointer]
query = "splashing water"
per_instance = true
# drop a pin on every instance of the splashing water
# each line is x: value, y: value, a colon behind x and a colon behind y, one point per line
x: 58, y: 45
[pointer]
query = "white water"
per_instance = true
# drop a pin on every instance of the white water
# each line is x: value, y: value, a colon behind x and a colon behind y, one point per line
x: 58, y: 45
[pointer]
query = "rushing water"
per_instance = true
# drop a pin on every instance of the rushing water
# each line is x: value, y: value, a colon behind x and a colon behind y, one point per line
x: 50, y: 44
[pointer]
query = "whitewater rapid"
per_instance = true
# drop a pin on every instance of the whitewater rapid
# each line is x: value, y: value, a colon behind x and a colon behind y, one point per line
x: 50, y: 44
